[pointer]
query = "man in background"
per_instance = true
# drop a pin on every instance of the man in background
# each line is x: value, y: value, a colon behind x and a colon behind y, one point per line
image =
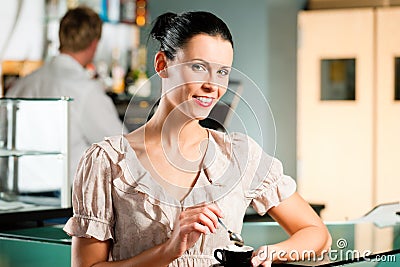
x: 93, y: 115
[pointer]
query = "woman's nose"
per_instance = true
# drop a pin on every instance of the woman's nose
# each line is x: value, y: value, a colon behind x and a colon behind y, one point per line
x: 210, y: 86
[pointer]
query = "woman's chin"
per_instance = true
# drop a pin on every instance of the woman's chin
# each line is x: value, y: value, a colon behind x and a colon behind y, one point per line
x: 200, y: 114
x: 200, y: 118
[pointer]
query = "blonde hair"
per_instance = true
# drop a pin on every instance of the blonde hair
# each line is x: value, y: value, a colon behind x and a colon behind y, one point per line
x: 79, y: 28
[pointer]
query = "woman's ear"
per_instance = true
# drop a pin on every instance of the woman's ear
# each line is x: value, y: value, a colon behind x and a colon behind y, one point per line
x: 160, y: 64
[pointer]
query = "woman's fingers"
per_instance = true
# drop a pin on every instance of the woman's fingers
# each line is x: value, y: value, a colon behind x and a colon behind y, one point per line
x: 206, y: 215
x: 198, y: 222
x: 192, y: 222
x: 212, y: 207
x: 216, y: 210
x: 260, y: 257
x: 266, y: 264
x: 189, y: 228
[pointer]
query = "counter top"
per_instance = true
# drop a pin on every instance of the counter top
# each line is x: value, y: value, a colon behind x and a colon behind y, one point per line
x: 353, y: 244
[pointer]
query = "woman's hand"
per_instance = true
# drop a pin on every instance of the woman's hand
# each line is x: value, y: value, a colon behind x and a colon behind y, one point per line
x: 306, y: 230
x: 192, y: 222
x: 261, y: 257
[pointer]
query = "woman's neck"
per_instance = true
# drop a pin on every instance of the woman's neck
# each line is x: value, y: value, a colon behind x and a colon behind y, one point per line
x: 174, y: 127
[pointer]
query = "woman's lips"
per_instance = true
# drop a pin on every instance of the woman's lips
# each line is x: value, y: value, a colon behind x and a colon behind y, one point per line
x: 203, y: 101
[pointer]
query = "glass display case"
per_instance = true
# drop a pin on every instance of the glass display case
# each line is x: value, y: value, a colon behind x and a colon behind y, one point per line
x: 34, y: 158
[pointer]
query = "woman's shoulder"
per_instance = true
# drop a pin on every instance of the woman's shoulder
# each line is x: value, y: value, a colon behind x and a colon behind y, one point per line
x: 112, y: 147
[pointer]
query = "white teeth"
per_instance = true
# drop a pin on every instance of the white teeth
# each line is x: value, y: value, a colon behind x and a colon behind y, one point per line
x: 204, y: 99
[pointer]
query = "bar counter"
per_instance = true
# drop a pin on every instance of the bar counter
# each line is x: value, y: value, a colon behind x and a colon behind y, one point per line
x: 353, y: 245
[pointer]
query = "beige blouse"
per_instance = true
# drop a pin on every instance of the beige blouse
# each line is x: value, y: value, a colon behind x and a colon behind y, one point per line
x: 114, y: 197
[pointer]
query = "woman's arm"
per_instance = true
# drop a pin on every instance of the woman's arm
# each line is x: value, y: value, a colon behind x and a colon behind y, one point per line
x: 307, y: 233
x: 94, y: 253
x: 191, y: 224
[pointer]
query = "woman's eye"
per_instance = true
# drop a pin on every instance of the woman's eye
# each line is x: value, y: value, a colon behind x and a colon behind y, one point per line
x: 198, y: 67
x: 223, y: 72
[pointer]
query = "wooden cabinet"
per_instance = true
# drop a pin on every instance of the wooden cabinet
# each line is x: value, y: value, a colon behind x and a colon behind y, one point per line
x: 12, y: 70
x: 348, y: 126
x: 387, y: 102
x: 329, y: 4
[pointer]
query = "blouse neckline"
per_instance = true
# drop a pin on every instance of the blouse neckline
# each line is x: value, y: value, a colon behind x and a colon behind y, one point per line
x: 205, y: 189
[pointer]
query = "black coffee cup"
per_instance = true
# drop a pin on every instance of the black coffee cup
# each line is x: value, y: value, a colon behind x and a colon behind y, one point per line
x: 234, y: 256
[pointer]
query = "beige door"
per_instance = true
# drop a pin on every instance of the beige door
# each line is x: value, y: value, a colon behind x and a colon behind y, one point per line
x: 335, y: 137
x: 388, y: 109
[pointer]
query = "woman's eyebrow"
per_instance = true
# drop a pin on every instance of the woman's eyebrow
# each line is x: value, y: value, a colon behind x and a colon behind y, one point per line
x: 202, y: 60
x: 208, y: 63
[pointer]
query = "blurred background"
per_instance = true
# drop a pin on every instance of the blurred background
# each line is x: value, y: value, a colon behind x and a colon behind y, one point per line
x: 327, y: 69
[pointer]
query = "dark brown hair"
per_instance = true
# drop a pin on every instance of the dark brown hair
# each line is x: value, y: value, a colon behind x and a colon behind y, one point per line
x: 174, y: 30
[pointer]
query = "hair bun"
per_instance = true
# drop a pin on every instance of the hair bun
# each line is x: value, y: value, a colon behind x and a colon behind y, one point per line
x: 173, y: 31
x: 162, y: 24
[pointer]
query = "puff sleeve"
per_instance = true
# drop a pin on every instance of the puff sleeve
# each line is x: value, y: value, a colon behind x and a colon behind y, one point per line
x: 268, y: 185
x: 92, y: 197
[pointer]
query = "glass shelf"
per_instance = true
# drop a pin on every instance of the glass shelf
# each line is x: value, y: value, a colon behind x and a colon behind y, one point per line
x: 20, y: 153
x: 34, y: 162
x: 16, y: 99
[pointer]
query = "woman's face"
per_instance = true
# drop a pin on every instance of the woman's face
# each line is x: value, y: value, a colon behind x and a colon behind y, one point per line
x: 198, y: 76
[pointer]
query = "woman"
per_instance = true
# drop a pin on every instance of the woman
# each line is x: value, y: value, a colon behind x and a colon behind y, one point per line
x: 154, y: 196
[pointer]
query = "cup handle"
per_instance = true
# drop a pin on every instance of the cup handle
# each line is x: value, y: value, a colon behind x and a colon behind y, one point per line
x: 219, y: 252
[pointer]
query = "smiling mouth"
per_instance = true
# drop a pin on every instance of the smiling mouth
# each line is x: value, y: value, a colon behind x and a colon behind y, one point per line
x: 203, y: 101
